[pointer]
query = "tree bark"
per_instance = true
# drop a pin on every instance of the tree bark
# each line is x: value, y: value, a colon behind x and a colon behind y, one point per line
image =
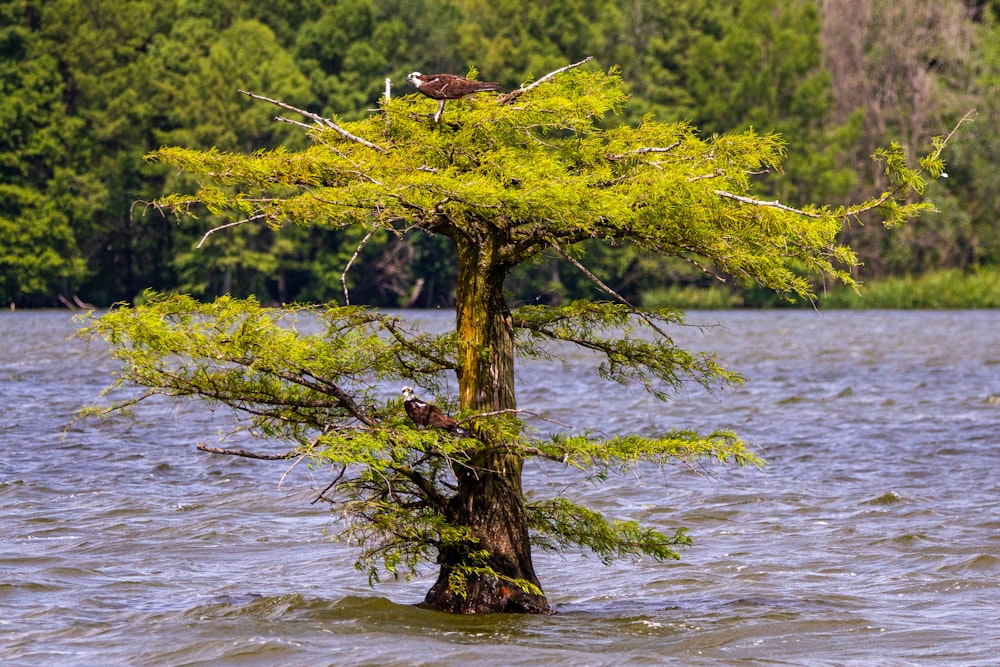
x: 489, y: 500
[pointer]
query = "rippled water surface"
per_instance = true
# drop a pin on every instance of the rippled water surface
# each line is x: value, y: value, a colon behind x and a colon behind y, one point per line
x: 872, y: 537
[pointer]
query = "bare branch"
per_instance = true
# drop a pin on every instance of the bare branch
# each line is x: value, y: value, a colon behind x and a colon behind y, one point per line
x: 282, y: 119
x: 357, y: 251
x: 969, y: 116
x: 644, y: 151
x: 768, y: 204
x: 250, y: 455
x: 514, y: 94
x: 228, y: 225
x: 285, y: 474
x: 319, y: 120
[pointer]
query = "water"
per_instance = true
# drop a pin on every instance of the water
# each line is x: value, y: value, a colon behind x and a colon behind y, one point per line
x: 872, y: 537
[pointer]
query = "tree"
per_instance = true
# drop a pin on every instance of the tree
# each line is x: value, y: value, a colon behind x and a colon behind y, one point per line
x: 45, y: 196
x: 899, y: 83
x: 503, y: 179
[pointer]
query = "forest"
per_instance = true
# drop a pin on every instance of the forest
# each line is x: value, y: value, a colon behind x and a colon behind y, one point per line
x: 92, y: 87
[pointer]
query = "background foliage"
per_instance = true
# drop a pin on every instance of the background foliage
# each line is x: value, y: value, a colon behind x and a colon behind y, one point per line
x: 91, y: 87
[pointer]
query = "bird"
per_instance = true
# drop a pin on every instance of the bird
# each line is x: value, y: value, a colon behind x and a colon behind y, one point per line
x: 426, y: 414
x: 444, y: 87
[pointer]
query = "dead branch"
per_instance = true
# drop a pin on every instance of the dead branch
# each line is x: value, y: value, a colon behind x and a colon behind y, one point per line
x: 357, y: 251
x: 228, y: 225
x: 415, y: 291
x: 282, y: 119
x: 507, y: 98
x: 285, y: 474
x: 319, y: 120
x: 644, y: 151
x: 767, y: 204
x: 246, y: 454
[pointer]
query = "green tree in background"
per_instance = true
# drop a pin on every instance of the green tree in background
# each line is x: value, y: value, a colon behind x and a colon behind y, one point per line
x: 46, y: 194
x: 500, y: 180
x: 204, y: 109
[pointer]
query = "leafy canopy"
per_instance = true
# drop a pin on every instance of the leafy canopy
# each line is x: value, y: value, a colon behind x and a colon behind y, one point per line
x: 550, y: 170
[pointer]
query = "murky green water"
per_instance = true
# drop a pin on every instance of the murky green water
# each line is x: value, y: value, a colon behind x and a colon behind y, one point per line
x: 873, y: 537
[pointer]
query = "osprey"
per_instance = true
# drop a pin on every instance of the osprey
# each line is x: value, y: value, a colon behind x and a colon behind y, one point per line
x: 443, y: 87
x: 426, y: 414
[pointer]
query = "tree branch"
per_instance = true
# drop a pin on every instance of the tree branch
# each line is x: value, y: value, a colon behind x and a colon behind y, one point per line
x: 600, y: 283
x: 514, y: 94
x: 426, y: 489
x: 282, y: 119
x: 516, y: 411
x: 344, y: 400
x: 770, y: 204
x: 252, y: 218
x: 322, y: 494
x: 357, y: 251
x: 250, y: 455
x: 390, y: 325
x: 857, y: 210
x: 319, y: 120
x: 643, y: 151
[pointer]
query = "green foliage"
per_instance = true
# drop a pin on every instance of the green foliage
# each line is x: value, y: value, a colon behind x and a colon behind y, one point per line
x: 257, y: 360
x: 558, y: 177
x: 558, y: 523
x: 474, y: 567
x: 621, y: 453
x: 630, y: 356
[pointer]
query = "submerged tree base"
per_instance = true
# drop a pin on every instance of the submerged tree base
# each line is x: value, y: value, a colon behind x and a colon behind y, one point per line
x: 486, y: 596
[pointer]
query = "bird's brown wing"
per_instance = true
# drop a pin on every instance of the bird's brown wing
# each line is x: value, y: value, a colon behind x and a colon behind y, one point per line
x: 438, y: 419
x: 451, y: 87
x: 418, y: 411
x: 426, y: 414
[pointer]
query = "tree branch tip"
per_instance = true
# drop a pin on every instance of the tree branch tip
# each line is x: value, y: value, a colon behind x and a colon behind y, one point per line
x: 514, y: 94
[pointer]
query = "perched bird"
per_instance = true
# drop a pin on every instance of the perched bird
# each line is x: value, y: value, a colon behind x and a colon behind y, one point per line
x: 444, y: 87
x: 426, y: 414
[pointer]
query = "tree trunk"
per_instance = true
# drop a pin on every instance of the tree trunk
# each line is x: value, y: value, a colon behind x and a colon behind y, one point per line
x: 489, y: 500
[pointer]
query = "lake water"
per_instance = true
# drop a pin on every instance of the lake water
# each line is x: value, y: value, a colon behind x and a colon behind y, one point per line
x: 871, y: 538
